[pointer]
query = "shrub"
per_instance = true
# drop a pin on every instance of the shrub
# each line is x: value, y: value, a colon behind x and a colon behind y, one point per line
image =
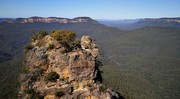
x: 62, y: 79
x: 53, y: 76
x: 50, y: 46
x: 102, y: 88
x: 40, y: 97
x: 76, y: 44
x: 25, y: 69
x: 63, y: 51
x: 55, y: 34
x: 43, y: 33
x: 60, y: 93
x: 34, y: 95
x: 40, y: 42
x: 39, y: 35
x: 30, y: 91
x: 28, y: 47
x: 63, y: 35
x: 70, y: 91
x: 66, y: 38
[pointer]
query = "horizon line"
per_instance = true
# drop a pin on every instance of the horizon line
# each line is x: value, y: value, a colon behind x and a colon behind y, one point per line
x: 94, y: 18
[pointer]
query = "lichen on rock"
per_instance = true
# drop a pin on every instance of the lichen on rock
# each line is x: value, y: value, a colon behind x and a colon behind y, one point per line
x: 60, y: 66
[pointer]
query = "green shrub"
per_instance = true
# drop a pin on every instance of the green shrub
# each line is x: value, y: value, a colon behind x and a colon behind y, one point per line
x: 39, y: 35
x: 63, y: 51
x: 40, y: 97
x: 60, y: 93
x: 67, y: 39
x: 70, y: 91
x: 63, y: 35
x: 25, y: 69
x: 62, y: 79
x: 50, y: 46
x: 55, y: 34
x: 43, y: 33
x: 30, y: 91
x: 28, y: 47
x: 102, y: 88
x: 34, y: 95
x: 40, y: 43
x: 76, y: 44
x: 53, y: 76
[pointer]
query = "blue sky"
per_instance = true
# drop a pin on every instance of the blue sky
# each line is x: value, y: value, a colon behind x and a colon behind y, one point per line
x: 97, y: 9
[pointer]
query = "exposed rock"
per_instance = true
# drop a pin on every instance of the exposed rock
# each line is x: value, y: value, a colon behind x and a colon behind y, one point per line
x: 50, y: 20
x: 57, y: 72
x: 112, y: 95
x: 89, y: 46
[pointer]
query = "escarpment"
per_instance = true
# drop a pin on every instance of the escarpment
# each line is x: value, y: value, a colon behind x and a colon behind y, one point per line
x: 49, y: 20
x: 60, y: 66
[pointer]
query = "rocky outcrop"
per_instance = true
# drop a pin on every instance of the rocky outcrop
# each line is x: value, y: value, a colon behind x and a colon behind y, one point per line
x: 50, y: 20
x: 63, y: 67
x: 165, y: 20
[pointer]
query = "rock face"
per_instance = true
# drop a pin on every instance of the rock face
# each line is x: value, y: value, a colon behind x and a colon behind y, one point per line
x: 50, y: 20
x: 67, y: 70
x: 165, y: 20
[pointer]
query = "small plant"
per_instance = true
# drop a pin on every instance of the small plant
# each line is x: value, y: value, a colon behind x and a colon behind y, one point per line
x: 63, y: 35
x: 25, y: 69
x: 63, y: 51
x: 62, y: 79
x: 30, y: 91
x: 55, y: 34
x: 39, y: 35
x: 60, y: 93
x: 34, y: 95
x: 50, y: 46
x: 76, y: 44
x: 40, y: 97
x: 70, y: 91
x: 40, y: 42
x: 102, y: 88
x: 28, y: 47
x: 53, y: 76
x: 43, y: 33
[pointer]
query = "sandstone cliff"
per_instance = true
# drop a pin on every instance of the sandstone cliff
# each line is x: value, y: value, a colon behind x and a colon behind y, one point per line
x: 50, y: 20
x: 60, y: 66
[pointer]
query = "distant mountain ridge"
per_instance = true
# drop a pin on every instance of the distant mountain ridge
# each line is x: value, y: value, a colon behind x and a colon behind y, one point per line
x: 177, y: 20
x: 49, y: 20
x: 144, y: 22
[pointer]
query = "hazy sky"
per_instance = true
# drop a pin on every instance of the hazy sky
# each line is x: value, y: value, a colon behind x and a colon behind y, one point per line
x: 97, y: 9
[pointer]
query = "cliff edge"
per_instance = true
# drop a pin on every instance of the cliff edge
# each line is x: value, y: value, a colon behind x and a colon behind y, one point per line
x: 59, y: 66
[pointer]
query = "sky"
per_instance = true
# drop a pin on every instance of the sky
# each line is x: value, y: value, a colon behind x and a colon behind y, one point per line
x: 97, y: 9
